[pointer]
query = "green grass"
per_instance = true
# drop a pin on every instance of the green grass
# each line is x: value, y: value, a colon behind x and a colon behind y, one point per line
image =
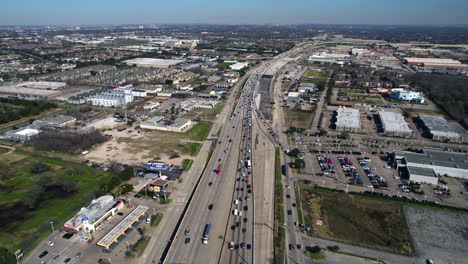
x: 28, y: 226
x: 190, y: 148
x: 355, y: 219
x: 200, y: 131
x: 156, y: 219
x: 165, y: 201
x: 226, y: 64
x: 280, y: 233
x: 299, y: 118
x: 316, y: 256
x: 139, y: 247
x: 315, y: 74
x: 360, y: 256
x: 186, y: 164
x: 298, y: 203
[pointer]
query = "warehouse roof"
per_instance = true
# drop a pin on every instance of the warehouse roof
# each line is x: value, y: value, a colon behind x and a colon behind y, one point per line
x: 348, y: 117
x: 433, y: 157
x: 428, y: 172
x: 394, y: 122
x: 438, y: 126
x: 94, y: 211
x: 153, y: 62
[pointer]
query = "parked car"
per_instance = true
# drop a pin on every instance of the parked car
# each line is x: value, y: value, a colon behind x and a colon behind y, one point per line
x: 43, y: 254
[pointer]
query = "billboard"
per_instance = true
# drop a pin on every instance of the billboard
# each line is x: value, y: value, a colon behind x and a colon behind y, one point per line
x: 156, y: 165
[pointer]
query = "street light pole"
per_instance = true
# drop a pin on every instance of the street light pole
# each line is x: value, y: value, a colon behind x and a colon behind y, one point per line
x: 52, y: 225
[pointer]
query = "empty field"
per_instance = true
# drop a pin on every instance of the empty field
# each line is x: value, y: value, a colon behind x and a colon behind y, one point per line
x: 356, y: 220
x: 299, y: 118
x: 36, y: 190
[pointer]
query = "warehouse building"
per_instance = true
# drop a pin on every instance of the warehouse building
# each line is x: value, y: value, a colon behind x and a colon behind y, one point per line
x: 348, y: 119
x: 158, y: 123
x: 89, y: 218
x: 439, y: 129
x: 428, y: 165
x: 239, y: 66
x: 155, y: 63
x: 394, y: 124
x: 22, y: 134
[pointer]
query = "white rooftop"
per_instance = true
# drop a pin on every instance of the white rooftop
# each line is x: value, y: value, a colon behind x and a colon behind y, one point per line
x: 94, y: 211
x: 153, y: 62
x: 438, y: 126
x: 394, y: 122
x: 348, y: 117
x: 28, y: 132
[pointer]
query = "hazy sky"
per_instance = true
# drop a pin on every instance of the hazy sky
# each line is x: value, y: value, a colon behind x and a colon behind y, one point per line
x: 45, y: 12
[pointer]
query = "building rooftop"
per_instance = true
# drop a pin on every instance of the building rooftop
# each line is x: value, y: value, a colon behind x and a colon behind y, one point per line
x: 437, y: 158
x: 348, y: 117
x: 428, y: 172
x: 94, y: 211
x: 438, y: 125
x: 394, y: 122
x: 153, y: 62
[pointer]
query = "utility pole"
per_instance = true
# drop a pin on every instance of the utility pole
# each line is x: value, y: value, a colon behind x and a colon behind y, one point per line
x: 52, y: 225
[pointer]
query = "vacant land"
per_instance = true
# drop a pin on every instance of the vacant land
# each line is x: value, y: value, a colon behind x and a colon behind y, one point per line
x: 299, y: 118
x: 318, y: 77
x: 438, y: 235
x: 135, y: 148
x: 356, y: 220
x: 36, y: 190
x: 13, y: 109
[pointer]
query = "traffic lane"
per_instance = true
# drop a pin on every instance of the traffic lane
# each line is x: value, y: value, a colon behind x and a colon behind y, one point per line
x: 203, y: 199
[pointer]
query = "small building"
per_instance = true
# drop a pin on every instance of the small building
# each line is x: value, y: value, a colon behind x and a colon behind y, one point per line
x: 394, y: 124
x: 348, y: 119
x: 151, y: 106
x: 158, y: 123
x: 89, y: 218
x: 239, y: 66
x: 438, y: 128
x: 406, y: 95
x: 23, y: 134
x: 139, y: 93
x: 60, y: 121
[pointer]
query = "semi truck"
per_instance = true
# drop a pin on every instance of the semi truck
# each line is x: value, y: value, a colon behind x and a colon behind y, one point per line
x: 206, y: 234
x: 248, y: 164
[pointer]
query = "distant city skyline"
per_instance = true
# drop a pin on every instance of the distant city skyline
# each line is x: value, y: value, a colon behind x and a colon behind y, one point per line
x: 376, y: 12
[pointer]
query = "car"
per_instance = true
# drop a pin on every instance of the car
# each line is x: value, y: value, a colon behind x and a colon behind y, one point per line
x: 233, y: 227
x: 137, y: 195
x: 67, y: 260
x: 291, y: 247
x: 210, y: 206
x: 429, y: 261
x: 78, y: 255
x: 289, y: 212
x: 288, y: 196
x: 67, y: 235
x: 43, y: 254
x: 231, y: 245
x: 230, y: 140
x: 249, y: 246
x: 50, y: 243
x: 55, y: 258
x: 187, y: 231
x: 245, y: 219
x: 119, y: 213
x: 210, y: 183
x: 299, y: 246
x: 246, y: 208
x: 244, y: 230
x: 293, y: 204
x: 242, y: 245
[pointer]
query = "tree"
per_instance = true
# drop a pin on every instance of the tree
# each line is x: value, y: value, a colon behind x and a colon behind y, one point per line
x: 39, y: 167
x: 345, y: 135
x: 322, y: 132
x: 314, y: 249
x: 295, y: 152
x: 300, y: 163
x: 169, y: 82
x: 67, y: 185
x: 43, y: 179
x: 127, y: 173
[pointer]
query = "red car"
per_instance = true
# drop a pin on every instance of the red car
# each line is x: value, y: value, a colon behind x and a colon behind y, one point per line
x: 249, y: 186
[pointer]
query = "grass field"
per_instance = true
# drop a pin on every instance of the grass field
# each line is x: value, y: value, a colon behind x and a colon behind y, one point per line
x: 226, y: 64
x: 299, y: 118
x: 411, y: 113
x: 200, y: 131
x: 186, y: 164
x: 315, y: 74
x: 279, y: 232
x: 356, y: 220
x: 23, y: 227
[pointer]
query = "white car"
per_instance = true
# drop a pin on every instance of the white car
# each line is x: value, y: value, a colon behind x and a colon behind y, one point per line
x: 50, y: 243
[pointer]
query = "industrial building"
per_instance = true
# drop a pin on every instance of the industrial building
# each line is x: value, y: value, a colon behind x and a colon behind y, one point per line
x: 394, y: 124
x: 116, y: 97
x: 155, y: 63
x: 439, y: 129
x: 348, y: 119
x: 435, y: 62
x: 89, y: 218
x: 426, y: 166
x: 22, y: 134
x: 60, y: 121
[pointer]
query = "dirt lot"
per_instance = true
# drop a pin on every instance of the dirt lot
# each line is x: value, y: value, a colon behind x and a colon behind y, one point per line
x: 135, y: 148
x: 359, y: 221
x: 438, y: 235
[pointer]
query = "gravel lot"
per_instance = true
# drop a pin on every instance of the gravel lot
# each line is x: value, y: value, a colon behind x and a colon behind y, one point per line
x: 438, y: 235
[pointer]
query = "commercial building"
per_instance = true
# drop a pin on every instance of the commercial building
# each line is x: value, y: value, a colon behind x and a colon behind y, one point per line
x: 439, y: 129
x: 60, y: 121
x: 116, y: 97
x: 394, y: 124
x: 89, y: 218
x: 435, y: 62
x: 177, y: 125
x: 239, y: 66
x: 426, y: 166
x: 401, y: 94
x: 139, y: 93
x: 42, y: 85
x: 151, y: 106
x: 348, y: 119
x: 155, y: 63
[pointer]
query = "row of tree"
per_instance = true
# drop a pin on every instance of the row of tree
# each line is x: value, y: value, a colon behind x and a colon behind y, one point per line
x: 53, y: 140
x: 12, y: 109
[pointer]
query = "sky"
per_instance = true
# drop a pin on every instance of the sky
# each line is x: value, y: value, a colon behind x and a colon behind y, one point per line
x: 91, y: 12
